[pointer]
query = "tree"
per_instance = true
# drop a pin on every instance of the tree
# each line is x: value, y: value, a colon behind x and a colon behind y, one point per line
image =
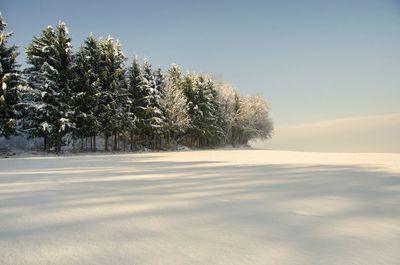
x: 9, y: 82
x: 227, y: 101
x: 85, y: 92
x: 112, y: 90
x: 150, y: 110
x: 188, y: 87
x: 49, y: 76
x: 176, y: 108
x: 133, y: 111
x: 158, y: 105
x: 237, y: 130
x: 217, y: 121
x: 206, y: 127
x: 253, y: 120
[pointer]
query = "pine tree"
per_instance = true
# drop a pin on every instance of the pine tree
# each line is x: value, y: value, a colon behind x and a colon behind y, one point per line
x: 113, y: 93
x: 85, y: 92
x: 217, y: 121
x: 206, y: 128
x: 49, y: 76
x: 150, y: 106
x: 188, y: 88
x: 237, y: 130
x: 9, y: 82
x: 134, y: 79
x: 158, y: 104
x: 176, y: 107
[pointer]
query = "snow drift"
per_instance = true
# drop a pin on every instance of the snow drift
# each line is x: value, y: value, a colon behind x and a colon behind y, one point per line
x: 205, y: 207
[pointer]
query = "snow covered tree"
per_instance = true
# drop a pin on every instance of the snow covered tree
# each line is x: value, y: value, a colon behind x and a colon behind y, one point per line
x: 158, y: 104
x: 150, y: 105
x: 85, y: 92
x: 112, y: 96
x: 9, y: 82
x: 134, y: 99
x: 216, y: 122
x: 177, y: 118
x: 236, y: 126
x: 253, y: 119
x: 47, y: 105
x: 206, y: 127
x: 227, y: 105
x: 188, y: 88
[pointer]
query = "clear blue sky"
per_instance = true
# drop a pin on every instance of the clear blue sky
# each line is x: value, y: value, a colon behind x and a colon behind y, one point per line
x: 313, y: 60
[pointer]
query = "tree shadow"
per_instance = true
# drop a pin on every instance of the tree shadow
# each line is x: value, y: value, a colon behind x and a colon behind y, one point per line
x: 319, y: 210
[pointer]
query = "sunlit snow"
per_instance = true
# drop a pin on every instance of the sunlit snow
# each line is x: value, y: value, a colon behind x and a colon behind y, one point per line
x: 204, y: 207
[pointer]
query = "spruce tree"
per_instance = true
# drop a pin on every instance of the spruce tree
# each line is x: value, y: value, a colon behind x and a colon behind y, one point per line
x: 237, y: 130
x: 188, y: 88
x: 150, y: 106
x: 112, y: 90
x: 218, y: 122
x: 158, y: 105
x: 85, y: 92
x: 206, y: 128
x: 134, y: 79
x: 9, y: 82
x: 48, y: 108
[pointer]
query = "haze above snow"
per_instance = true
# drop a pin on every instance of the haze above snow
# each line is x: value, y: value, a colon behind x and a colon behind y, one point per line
x: 379, y: 133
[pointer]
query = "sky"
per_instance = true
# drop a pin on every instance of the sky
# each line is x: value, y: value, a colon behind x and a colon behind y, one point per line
x: 313, y: 60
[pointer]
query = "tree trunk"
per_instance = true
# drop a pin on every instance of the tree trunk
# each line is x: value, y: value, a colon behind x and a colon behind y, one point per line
x: 132, y: 135
x: 45, y: 143
x: 168, y: 140
x: 81, y: 144
x: 106, y: 142
x: 94, y: 143
x: 58, y: 147
x: 115, y: 142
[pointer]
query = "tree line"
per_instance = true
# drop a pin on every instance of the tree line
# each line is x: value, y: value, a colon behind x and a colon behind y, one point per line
x: 92, y: 94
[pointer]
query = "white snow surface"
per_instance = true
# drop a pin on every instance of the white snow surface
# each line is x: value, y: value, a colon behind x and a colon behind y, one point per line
x: 201, y: 207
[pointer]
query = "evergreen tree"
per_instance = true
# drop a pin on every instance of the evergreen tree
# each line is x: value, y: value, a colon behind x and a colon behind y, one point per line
x: 112, y: 90
x: 85, y: 92
x: 150, y: 106
x: 217, y: 122
x: 9, y: 82
x: 49, y: 76
x: 134, y: 99
x: 158, y: 105
x: 188, y: 88
x: 237, y: 130
x: 176, y: 108
x: 91, y: 93
x: 206, y: 128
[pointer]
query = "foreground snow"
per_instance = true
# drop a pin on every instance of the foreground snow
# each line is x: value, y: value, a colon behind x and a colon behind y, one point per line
x: 205, y: 207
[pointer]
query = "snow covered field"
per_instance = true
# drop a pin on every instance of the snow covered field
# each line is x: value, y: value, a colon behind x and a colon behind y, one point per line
x: 204, y: 207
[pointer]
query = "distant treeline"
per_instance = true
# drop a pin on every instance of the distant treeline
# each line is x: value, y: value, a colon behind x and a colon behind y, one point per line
x: 64, y: 95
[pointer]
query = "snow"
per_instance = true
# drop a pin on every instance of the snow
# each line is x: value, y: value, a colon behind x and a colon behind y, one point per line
x: 201, y: 207
x: 46, y: 127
